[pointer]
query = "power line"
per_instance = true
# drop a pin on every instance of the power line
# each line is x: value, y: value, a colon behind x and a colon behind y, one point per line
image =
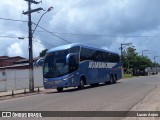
x: 53, y: 34
x: 11, y: 37
x: 14, y: 20
x: 76, y: 34
x: 38, y: 26
x: 98, y: 35
x: 42, y: 42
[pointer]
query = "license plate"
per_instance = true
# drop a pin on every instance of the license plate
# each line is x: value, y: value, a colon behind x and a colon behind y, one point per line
x: 51, y: 82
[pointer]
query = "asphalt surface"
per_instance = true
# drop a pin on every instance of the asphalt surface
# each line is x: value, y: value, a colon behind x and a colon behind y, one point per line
x: 117, y: 97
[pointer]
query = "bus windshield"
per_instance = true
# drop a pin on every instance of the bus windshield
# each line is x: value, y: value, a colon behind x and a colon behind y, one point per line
x: 55, y: 64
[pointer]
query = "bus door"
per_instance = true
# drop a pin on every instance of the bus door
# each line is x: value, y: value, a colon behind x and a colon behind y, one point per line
x: 73, y: 63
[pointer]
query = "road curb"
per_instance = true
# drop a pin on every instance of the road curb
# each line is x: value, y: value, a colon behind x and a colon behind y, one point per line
x: 19, y: 93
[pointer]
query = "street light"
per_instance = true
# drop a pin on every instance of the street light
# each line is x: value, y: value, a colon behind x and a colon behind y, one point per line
x: 31, y: 70
x: 144, y: 51
x: 31, y: 73
x: 30, y: 35
x: 49, y: 9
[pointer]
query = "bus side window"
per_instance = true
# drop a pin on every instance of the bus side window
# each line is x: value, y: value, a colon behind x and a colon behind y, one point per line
x: 114, y: 58
x: 75, y: 49
x: 98, y: 56
x: 105, y: 57
x: 85, y: 54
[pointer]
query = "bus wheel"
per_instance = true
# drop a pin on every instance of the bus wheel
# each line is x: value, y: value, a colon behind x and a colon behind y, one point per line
x: 60, y: 89
x: 115, y: 78
x: 111, y: 80
x: 81, y: 86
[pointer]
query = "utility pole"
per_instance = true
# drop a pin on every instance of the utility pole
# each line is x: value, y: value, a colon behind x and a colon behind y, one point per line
x: 121, y: 48
x: 31, y: 73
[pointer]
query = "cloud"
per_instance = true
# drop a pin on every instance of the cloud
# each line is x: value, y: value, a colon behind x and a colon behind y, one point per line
x: 90, y: 21
x: 14, y: 46
x: 14, y: 50
x: 111, y: 18
x: 20, y: 48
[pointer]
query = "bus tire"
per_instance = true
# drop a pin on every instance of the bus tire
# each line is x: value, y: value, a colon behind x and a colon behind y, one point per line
x: 115, y: 78
x: 60, y: 89
x: 81, y: 86
x: 111, y: 80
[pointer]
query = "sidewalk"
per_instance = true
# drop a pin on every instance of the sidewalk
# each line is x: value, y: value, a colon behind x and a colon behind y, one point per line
x: 19, y: 93
x: 150, y: 103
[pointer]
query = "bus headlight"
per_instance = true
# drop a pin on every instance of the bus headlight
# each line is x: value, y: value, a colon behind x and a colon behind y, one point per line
x: 44, y: 80
x: 68, y: 77
x: 65, y: 79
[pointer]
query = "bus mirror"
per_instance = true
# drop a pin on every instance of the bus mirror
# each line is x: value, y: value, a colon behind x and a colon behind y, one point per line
x: 39, y: 62
x: 72, y: 60
x: 71, y: 56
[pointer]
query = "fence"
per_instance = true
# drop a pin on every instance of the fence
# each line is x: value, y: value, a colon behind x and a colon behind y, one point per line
x: 14, y: 79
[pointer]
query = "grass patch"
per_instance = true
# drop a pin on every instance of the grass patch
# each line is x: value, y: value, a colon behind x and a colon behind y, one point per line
x: 127, y: 76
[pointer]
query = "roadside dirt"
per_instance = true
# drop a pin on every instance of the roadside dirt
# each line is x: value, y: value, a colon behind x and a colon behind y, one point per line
x: 150, y: 103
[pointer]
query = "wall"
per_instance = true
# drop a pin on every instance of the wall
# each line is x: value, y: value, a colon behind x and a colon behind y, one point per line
x: 14, y: 79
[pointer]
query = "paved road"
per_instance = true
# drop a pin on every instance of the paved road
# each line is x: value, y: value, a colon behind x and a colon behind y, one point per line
x: 118, y: 97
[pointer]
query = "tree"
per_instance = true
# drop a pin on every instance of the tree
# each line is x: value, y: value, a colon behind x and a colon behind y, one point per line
x: 135, y: 62
x: 144, y: 62
x: 129, y: 58
x: 43, y: 52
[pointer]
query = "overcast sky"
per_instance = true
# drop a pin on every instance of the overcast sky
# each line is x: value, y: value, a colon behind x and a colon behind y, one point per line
x: 101, y: 23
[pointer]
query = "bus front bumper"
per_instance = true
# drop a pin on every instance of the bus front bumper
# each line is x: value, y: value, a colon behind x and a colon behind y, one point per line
x: 56, y: 84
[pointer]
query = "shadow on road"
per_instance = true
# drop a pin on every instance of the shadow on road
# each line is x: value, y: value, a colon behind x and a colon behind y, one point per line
x: 76, y: 89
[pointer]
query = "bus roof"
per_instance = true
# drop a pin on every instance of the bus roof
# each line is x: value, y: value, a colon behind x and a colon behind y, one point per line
x: 67, y: 46
x: 63, y: 47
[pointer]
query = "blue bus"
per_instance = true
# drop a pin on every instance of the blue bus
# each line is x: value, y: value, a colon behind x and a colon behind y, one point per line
x: 77, y: 65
